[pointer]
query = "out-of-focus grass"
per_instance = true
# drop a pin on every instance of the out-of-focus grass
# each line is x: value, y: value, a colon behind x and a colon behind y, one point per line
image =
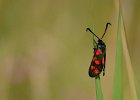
x: 118, y: 88
x: 122, y: 49
x: 129, y: 69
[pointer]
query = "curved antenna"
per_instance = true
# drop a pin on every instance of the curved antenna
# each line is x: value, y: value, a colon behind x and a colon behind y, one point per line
x: 88, y: 29
x: 105, y: 29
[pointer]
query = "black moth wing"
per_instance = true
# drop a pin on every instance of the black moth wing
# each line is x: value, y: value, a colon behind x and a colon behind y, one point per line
x: 96, y: 65
x: 104, y: 62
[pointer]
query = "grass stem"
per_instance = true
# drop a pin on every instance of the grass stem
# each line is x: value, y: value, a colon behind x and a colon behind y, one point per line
x: 99, y: 94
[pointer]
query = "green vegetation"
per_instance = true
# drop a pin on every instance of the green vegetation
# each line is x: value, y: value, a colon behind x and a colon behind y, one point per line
x: 99, y: 94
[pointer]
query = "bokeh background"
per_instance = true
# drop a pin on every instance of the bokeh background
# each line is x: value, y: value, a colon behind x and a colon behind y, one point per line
x: 45, y: 52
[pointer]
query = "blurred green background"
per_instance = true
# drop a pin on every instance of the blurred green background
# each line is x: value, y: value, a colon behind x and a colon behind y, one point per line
x: 45, y: 52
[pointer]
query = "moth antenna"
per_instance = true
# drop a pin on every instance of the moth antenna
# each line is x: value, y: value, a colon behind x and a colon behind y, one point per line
x: 88, y: 29
x: 106, y: 29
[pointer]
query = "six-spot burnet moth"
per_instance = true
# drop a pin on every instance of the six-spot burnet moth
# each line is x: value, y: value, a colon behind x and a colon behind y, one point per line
x: 99, y: 58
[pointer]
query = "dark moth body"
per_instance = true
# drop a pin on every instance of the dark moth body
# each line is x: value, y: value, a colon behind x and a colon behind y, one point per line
x: 98, y: 60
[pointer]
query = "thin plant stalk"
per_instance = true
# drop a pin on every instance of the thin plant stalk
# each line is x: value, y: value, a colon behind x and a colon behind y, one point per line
x: 99, y: 94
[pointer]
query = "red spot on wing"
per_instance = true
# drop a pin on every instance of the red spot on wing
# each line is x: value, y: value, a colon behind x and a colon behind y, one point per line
x: 96, y: 71
x: 92, y: 67
x: 97, y: 52
x: 97, y: 62
x: 93, y: 59
x: 103, y: 62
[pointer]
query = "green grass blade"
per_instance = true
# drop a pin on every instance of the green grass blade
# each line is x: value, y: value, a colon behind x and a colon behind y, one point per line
x: 99, y: 94
x: 118, y: 82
